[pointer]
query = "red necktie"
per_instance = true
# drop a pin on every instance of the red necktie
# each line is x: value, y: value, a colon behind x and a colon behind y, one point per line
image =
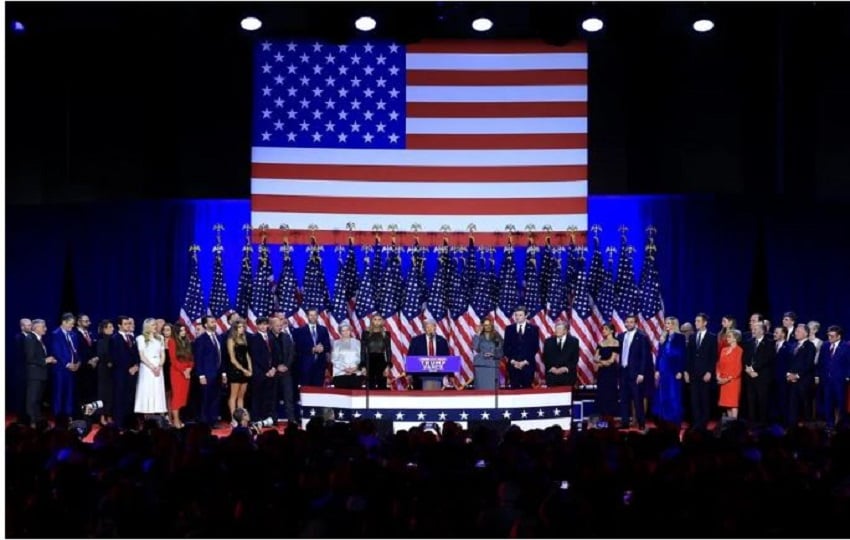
x: 127, y: 339
x: 431, y: 346
x: 268, y: 346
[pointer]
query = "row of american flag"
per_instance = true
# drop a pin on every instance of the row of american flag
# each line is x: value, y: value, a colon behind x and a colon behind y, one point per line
x: 559, y: 284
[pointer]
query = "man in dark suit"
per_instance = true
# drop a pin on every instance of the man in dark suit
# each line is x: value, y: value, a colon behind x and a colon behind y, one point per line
x: 428, y: 344
x: 125, y: 369
x: 635, y: 358
x: 833, y: 373
x: 522, y: 343
x: 759, y: 356
x: 264, y: 370
x: 207, y: 352
x: 18, y: 370
x: 37, y: 361
x: 283, y: 354
x: 560, y: 357
x: 700, y: 370
x: 779, y: 397
x: 800, y: 376
x: 65, y: 349
x: 313, y: 348
x: 87, y: 375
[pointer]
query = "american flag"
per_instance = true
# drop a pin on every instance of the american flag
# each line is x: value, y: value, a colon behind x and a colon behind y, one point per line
x: 533, y: 301
x: 316, y: 294
x: 219, y: 300
x: 409, y: 134
x: 507, y: 291
x: 364, y: 304
x: 604, y: 301
x: 572, y: 268
x: 262, y: 299
x: 193, y: 303
x: 582, y: 323
x: 410, y: 319
x: 287, y: 287
x: 651, y: 305
x: 626, y: 292
x: 246, y: 283
x: 344, y: 290
x: 596, y: 267
x: 389, y: 296
x: 462, y: 331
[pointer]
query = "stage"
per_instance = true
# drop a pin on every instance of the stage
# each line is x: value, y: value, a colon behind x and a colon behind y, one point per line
x: 528, y: 409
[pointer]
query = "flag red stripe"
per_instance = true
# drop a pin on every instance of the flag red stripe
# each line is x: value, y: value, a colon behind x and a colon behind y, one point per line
x: 492, y: 46
x: 497, y: 110
x: 543, y: 173
x: 501, y: 142
x: 423, y: 206
x: 303, y: 236
x: 448, y: 77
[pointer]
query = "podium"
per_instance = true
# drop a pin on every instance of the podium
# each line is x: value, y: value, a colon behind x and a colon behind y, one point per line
x: 431, y: 369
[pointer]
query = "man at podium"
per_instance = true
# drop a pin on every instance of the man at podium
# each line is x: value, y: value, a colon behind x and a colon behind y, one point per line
x: 428, y: 344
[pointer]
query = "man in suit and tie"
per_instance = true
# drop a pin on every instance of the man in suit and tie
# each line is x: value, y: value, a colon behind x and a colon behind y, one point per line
x: 833, y: 373
x: 263, y: 382
x: 87, y: 375
x: 428, y: 344
x: 207, y: 352
x: 65, y: 349
x: 800, y: 376
x: 635, y: 359
x: 759, y: 357
x: 779, y: 400
x: 560, y: 357
x: 283, y: 354
x: 700, y: 369
x: 522, y: 343
x: 35, y: 352
x: 125, y: 369
x: 313, y: 348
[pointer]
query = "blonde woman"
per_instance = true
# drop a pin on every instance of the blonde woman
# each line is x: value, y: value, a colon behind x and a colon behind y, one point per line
x: 150, y: 389
x: 239, y: 371
x: 669, y: 373
x: 376, y: 353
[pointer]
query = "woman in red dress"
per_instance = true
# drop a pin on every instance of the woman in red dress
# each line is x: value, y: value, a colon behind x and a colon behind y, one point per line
x: 729, y: 368
x: 180, y: 353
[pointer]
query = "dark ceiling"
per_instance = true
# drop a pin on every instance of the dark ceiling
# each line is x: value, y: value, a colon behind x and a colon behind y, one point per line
x: 154, y: 99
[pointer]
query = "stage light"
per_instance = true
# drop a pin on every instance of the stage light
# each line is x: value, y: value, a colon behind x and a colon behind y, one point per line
x: 251, y: 24
x: 703, y: 25
x: 592, y: 24
x: 482, y: 24
x: 365, y: 24
x: 18, y: 26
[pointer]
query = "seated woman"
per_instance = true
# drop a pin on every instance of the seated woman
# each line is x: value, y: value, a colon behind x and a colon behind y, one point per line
x: 345, y: 356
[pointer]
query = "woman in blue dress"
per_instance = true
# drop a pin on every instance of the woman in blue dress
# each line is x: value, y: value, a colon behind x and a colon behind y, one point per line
x: 669, y: 367
x: 607, y: 364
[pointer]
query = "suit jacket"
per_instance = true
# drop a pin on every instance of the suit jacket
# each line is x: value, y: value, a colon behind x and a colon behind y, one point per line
x: 640, y: 355
x: 834, y: 366
x: 419, y: 346
x: 304, y: 342
x: 761, y: 359
x: 86, y: 349
x: 124, y: 355
x: 261, y: 354
x: 554, y: 356
x: 208, y: 361
x: 702, y: 359
x: 802, y: 360
x: 59, y: 348
x: 523, y: 347
x: 21, y: 340
x: 283, y: 350
x: 35, y: 352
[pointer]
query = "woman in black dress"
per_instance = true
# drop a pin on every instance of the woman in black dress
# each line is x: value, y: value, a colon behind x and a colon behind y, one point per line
x: 376, y: 353
x: 607, y: 364
x: 104, y: 370
x: 238, y: 366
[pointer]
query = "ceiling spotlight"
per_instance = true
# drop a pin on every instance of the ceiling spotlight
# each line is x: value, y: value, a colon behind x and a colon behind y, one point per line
x: 251, y: 24
x: 703, y: 25
x: 482, y: 24
x: 18, y: 26
x: 592, y: 24
x: 365, y: 24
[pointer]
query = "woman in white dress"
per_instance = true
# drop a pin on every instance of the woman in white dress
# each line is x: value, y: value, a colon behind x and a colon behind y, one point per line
x: 150, y: 389
x: 345, y: 356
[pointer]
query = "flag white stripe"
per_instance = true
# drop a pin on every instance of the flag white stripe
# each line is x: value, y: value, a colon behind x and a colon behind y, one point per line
x: 495, y: 61
x: 424, y: 158
x: 491, y: 126
x: 497, y: 94
x: 429, y: 223
x: 436, y: 190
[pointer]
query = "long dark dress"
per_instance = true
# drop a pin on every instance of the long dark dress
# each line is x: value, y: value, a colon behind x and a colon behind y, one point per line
x: 375, y: 354
x: 668, y: 404
x: 104, y: 375
x: 607, y: 392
